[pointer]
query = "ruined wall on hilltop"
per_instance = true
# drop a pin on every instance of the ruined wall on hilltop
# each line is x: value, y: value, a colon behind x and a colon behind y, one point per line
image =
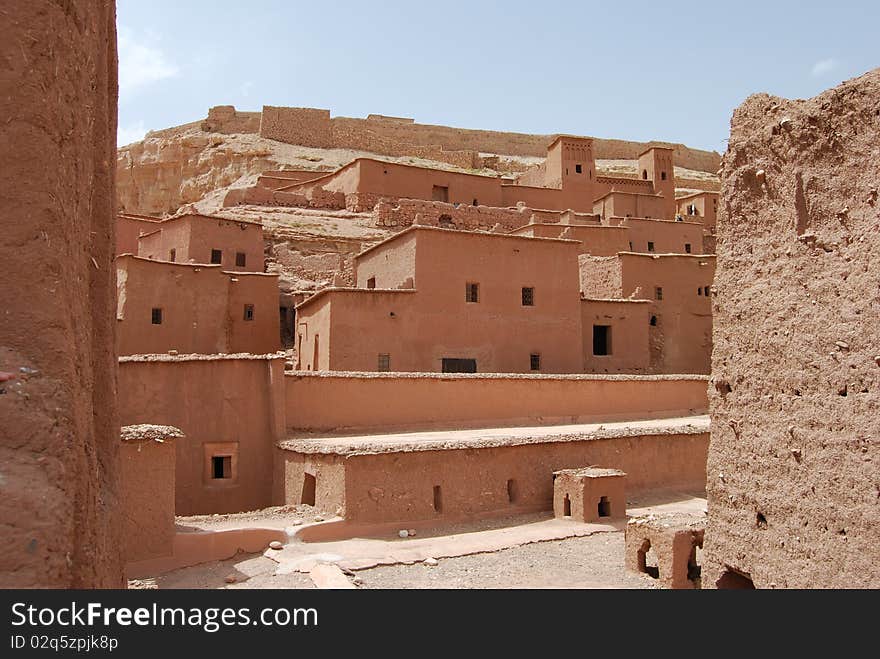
x: 459, y: 146
x: 59, y: 433
x: 793, y: 485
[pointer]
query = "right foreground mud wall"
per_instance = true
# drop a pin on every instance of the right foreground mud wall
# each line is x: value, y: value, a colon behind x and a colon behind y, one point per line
x: 793, y: 478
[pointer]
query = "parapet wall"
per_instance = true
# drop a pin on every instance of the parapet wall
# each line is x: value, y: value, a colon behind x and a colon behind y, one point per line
x: 793, y: 489
x: 433, y: 400
x: 403, y: 212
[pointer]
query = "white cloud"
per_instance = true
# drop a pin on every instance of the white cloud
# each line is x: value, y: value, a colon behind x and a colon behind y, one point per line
x: 131, y: 133
x: 141, y: 62
x: 824, y: 66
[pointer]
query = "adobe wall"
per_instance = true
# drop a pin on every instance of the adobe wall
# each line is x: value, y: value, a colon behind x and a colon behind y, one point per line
x: 399, y: 486
x: 146, y: 461
x: 405, y: 401
x: 600, y: 276
x: 59, y: 435
x: 392, y: 265
x: 234, y: 404
x: 793, y: 482
x: 403, y: 212
x: 313, y: 335
x: 667, y: 236
x: 226, y: 119
x: 195, y: 236
x: 683, y: 330
x: 622, y: 204
x: 594, y: 239
x: 628, y: 321
x: 128, y: 229
x: 202, y: 309
x: 304, y: 126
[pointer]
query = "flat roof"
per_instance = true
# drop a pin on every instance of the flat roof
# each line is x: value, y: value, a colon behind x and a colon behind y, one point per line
x: 697, y: 194
x: 350, y: 289
x: 665, y: 148
x: 565, y: 136
x: 211, y: 217
x: 651, y: 255
x: 563, y: 227
x: 632, y: 194
x: 656, y: 219
x: 451, y: 440
x: 145, y: 358
x: 480, y: 234
x: 614, y: 300
x: 187, y: 264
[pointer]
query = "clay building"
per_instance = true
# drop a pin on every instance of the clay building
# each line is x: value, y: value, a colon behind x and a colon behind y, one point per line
x: 230, y: 411
x: 699, y: 207
x: 793, y: 488
x: 193, y: 308
x: 190, y: 238
x: 130, y: 227
x: 565, y: 181
x: 679, y: 289
x: 439, y: 300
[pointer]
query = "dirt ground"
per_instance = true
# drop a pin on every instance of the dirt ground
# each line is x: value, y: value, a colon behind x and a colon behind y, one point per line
x: 594, y: 561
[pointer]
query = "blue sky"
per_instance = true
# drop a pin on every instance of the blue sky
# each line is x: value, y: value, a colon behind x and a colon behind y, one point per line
x: 632, y: 70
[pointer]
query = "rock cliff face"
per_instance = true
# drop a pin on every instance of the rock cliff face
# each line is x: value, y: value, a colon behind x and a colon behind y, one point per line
x: 161, y: 174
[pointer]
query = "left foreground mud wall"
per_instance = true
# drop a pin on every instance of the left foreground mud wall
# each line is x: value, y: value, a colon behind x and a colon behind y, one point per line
x: 58, y: 426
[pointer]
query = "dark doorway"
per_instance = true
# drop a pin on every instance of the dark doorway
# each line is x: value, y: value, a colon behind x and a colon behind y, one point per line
x: 566, y: 507
x: 308, y: 492
x: 604, y: 507
x: 454, y: 365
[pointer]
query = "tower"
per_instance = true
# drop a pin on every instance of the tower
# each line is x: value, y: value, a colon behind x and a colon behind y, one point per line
x: 656, y: 165
x: 572, y: 167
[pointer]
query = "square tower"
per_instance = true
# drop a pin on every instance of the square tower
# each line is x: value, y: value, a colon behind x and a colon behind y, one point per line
x: 570, y: 164
x: 656, y: 165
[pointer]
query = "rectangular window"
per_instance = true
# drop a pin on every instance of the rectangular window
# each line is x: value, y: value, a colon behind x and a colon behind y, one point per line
x: 601, y: 339
x: 650, y: 246
x: 706, y: 291
x: 535, y: 362
x: 700, y: 290
x: 216, y: 256
x: 577, y: 168
x: 240, y: 259
x: 440, y: 193
x: 528, y: 296
x: 658, y: 293
x: 384, y: 362
x: 172, y: 255
x: 157, y: 316
x: 687, y: 248
x: 371, y: 282
x: 221, y: 466
x: 452, y: 365
x: 472, y: 292
x: 248, y: 312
